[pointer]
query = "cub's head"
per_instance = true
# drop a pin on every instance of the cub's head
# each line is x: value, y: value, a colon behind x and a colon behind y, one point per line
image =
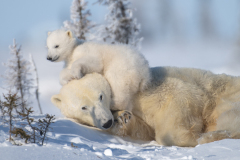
x: 60, y: 45
x: 86, y: 100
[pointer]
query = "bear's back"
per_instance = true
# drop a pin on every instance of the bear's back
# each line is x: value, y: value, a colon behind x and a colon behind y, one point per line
x: 205, y: 80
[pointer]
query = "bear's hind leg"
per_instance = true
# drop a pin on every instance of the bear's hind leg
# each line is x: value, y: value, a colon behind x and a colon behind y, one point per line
x: 214, y: 136
x: 228, y: 126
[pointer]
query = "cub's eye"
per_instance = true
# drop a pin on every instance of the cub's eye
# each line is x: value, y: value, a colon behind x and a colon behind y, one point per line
x: 84, y: 108
x: 100, y: 97
x: 56, y: 46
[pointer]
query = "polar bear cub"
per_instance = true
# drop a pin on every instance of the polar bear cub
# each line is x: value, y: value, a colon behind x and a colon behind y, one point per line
x: 126, y: 70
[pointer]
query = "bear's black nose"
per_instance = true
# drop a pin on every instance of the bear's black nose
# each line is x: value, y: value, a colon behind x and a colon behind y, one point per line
x: 108, y: 124
x: 49, y: 58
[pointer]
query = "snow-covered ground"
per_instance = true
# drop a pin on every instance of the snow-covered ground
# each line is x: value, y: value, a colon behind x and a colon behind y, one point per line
x: 94, y: 144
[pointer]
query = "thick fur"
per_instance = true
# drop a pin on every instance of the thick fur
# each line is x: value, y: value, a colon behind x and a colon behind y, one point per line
x: 86, y: 105
x: 182, y: 107
x: 125, y: 69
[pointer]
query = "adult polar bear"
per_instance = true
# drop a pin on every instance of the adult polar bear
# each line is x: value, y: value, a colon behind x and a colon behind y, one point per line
x: 181, y: 107
x: 125, y: 69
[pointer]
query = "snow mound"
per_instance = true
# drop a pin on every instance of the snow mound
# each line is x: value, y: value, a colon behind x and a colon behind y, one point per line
x: 74, y: 141
x: 108, y: 152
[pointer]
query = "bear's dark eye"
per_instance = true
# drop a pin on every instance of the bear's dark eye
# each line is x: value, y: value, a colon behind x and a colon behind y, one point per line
x: 84, y: 108
x: 100, y: 97
x: 56, y: 46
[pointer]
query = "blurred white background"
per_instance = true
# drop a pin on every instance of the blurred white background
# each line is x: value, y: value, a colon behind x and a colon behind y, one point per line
x: 199, y: 33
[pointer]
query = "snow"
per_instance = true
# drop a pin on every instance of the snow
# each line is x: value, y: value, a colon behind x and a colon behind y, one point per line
x: 90, y: 143
x: 108, y: 152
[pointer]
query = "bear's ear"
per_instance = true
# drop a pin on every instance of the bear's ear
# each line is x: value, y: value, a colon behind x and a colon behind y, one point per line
x: 69, y: 33
x: 49, y: 33
x: 56, y: 100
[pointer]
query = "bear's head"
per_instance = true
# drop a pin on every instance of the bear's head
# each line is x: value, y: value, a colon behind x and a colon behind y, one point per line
x: 86, y: 100
x: 60, y: 44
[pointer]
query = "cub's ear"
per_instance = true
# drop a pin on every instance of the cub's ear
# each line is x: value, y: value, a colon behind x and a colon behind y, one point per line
x: 56, y: 100
x: 69, y: 33
x: 49, y: 33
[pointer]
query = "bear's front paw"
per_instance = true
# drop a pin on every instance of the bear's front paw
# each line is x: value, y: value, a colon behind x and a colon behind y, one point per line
x: 65, y: 80
x: 76, y: 73
x: 122, y: 123
x: 122, y: 118
x: 65, y: 76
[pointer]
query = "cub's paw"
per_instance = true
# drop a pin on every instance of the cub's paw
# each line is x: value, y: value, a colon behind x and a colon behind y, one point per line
x: 65, y: 76
x: 64, y: 81
x: 76, y: 73
x: 122, y: 118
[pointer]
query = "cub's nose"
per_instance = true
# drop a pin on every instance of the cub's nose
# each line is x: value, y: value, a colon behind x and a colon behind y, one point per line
x: 49, y: 58
x: 108, y: 124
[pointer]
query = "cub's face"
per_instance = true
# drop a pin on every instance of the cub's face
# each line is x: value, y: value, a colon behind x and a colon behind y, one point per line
x: 87, y: 105
x: 60, y: 44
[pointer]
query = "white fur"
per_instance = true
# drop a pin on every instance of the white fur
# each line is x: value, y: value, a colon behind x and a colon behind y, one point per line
x: 125, y: 69
x: 96, y: 111
x: 181, y: 107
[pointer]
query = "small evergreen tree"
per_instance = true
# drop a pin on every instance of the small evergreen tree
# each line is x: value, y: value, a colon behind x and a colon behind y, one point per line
x: 9, y: 110
x: 20, y: 132
x: 80, y: 25
x: 33, y: 134
x: 34, y: 131
x: 121, y: 26
x: 17, y: 76
x: 44, y: 126
x: 38, y: 129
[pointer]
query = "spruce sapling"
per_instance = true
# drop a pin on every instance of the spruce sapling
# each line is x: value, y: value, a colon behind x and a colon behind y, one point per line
x: 44, y: 126
x: 80, y: 25
x: 30, y: 122
x: 17, y: 76
x: 121, y: 26
x: 22, y: 133
x: 9, y: 109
